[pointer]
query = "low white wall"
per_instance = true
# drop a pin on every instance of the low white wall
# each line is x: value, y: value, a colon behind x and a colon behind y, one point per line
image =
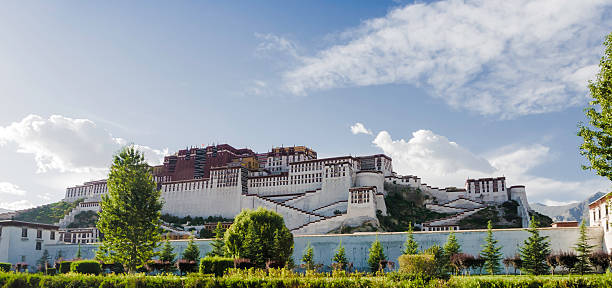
x: 357, y: 245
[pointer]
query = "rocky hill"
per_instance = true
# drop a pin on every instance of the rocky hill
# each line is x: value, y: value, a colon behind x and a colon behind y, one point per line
x: 47, y: 214
x: 570, y: 212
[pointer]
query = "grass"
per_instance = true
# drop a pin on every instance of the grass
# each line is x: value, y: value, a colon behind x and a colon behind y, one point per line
x: 47, y: 214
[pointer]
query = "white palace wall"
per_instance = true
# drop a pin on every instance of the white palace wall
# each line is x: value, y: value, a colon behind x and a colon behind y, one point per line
x: 357, y: 245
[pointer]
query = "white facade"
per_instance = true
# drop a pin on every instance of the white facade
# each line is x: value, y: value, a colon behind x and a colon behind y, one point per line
x: 24, y: 242
x: 599, y: 216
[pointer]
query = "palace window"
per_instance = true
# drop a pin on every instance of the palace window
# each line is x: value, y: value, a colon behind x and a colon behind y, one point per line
x: 24, y: 232
x: 39, y: 234
x: 38, y: 245
x: 52, y: 236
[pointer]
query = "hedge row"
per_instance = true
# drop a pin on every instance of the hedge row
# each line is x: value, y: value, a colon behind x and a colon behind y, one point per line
x: 23, y: 280
x: 5, y: 267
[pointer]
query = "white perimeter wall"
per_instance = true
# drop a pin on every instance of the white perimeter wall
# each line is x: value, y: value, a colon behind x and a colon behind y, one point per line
x: 357, y: 245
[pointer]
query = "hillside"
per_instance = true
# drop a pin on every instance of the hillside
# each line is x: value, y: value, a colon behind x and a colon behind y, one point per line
x: 48, y: 214
x: 405, y: 205
x: 569, y: 212
x: 2, y: 210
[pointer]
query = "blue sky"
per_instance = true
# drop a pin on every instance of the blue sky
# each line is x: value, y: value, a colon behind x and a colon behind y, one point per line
x: 449, y: 89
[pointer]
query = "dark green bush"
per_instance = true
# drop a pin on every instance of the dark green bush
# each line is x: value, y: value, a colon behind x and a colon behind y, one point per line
x: 86, y: 267
x: 5, y: 267
x: 64, y: 267
x: 215, y: 265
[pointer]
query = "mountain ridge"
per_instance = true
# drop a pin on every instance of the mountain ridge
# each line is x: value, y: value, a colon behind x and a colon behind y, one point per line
x: 569, y: 212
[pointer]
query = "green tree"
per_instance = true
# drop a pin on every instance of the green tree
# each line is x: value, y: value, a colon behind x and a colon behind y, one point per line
x: 43, y: 262
x: 442, y: 264
x: 129, y: 217
x: 411, y: 247
x: 583, y: 250
x: 308, y: 257
x: 451, y: 247
x: 597, y: 135
x: 377, y: 254
x: 490, y: 252
x: 339, y: 259
x: 218, y: 245
x: 192, y: 252
x: 78, y: 254
x: 167, y: 254
x: 535, y: 251
x: 260, y: 236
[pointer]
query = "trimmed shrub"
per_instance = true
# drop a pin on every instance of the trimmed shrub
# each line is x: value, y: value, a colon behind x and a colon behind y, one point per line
x: 186, y: 266
x: 64, y: 266
x: 5, y: 267
x: 420, y: 264
x: 86, y: 267
x: 215, y: 265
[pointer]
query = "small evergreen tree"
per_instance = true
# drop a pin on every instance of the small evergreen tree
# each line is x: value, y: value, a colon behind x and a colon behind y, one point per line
x: 43, y: 262
x: 451, y: 247
x: 308, y: 257
x: 340, y: 257
x: 490, y: 252
x: 218, y: 245
x: 78, y: 254
x: 377, y: 254
x: 534, y: 251
x: 253, y: 247
x: 192, y: 252
x: 411, y: 247
x: 167, y: 255
x: 283, y: 247
x: 583, y: 250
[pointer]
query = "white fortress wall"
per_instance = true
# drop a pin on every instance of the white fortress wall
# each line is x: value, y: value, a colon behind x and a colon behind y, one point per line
x: 357, y: 245
x: 371, y: 178
x: 293, y: 217
x: 328, y: 210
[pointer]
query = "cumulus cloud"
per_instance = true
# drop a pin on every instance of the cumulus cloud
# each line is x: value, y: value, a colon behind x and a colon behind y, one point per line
x: 68, y: 145
x: 444, y: 163
x: 16, y: 205
x: 504, y: 58
x: 11, y: 189
x: 359, y: 128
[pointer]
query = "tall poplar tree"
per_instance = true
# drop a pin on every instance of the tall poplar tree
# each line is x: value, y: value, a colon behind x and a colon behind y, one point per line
x: 130, y: 213
x: 411, y: 247
x: 490, y: 252
x: 535, y: 251
x: 583, y: 250
x: 597, y: 135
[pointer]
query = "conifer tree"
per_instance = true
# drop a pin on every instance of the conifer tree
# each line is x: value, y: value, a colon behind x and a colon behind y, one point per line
x: 451, y: 247
x: 308, y: 257
x: 283, y: 246
x: 377, y: 254
x: 583, y: 250
x: 253, y: 248
x: 192, y: 252
x: 167, y: 255
x: 78, y: 254
x: 490, y: 252
x: 130, y: 211
x: 340, y: 257
x: 411, y: 247
x: 535, y: 251
x: 43, y: 262
x: 218, y: 245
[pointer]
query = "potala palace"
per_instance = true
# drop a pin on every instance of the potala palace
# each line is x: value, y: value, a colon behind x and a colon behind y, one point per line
x: 313, y: 195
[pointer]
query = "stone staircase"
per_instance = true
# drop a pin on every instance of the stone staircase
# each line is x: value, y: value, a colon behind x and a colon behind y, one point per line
x: 453, y: 219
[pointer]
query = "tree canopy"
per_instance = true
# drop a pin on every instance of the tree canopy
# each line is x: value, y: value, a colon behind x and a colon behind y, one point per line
x: 260, y: 236
x: 597, y: 135
x: 130, y: 213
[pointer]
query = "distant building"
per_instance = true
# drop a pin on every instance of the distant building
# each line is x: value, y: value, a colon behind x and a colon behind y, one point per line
x: 564, y: 224
x: 23, y: 242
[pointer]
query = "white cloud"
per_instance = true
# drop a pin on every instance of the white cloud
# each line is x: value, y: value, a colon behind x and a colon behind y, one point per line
x: 68, y: 145
x: 443, y: 163
x: 270, y: 43
x: 16, y: 205
x: 11, y: 189
x: 358, y: 128
x: 495, y: 58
